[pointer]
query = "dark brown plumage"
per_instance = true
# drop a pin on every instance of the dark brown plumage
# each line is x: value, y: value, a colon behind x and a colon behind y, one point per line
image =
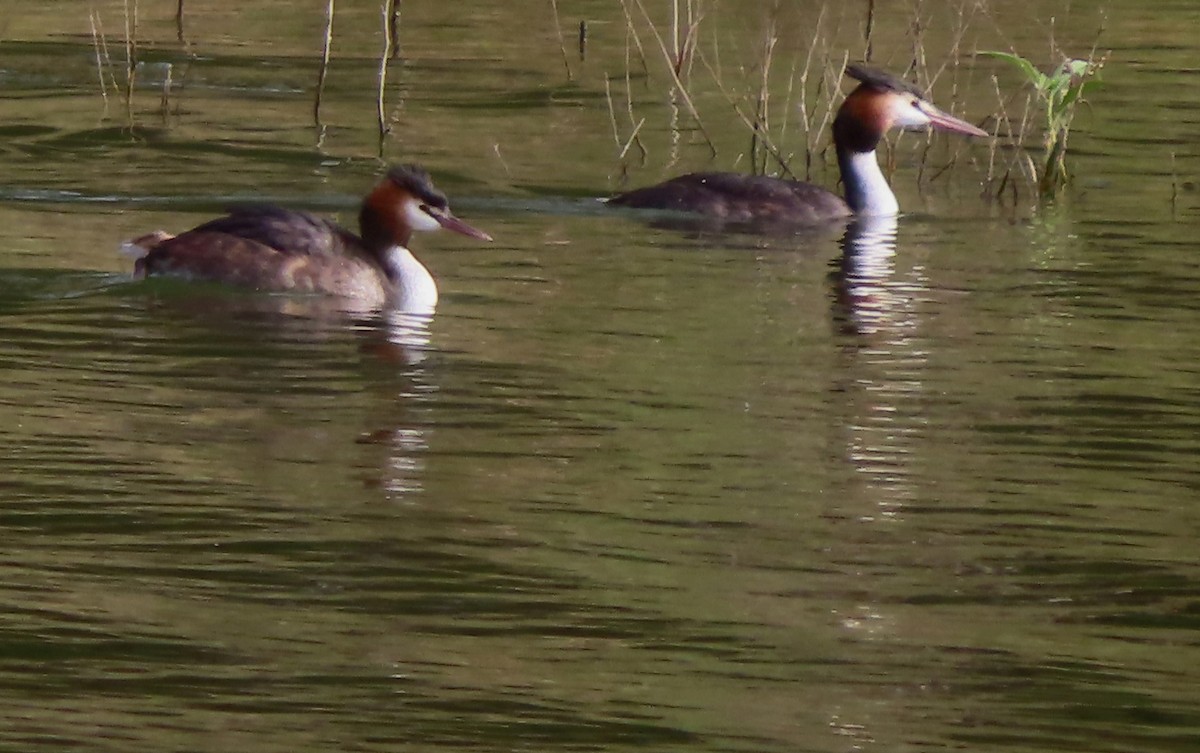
x: 274, y: 249
x: 880, y: 102
x: 737, y: 199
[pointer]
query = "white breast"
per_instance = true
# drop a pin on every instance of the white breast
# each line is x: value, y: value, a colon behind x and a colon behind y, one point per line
x: 417, y: 291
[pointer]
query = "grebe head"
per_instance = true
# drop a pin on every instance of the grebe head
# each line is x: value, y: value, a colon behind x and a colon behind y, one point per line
x: 404, y: 201
x: 879, y: 103
x: 882, y: 102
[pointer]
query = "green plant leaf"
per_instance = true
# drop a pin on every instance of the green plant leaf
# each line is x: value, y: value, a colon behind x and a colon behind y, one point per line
x: 1077, y: 68
x: 1032, y: 74
x: 1059, y: 93
x: 1056, y: 87
x: 1071, y: 97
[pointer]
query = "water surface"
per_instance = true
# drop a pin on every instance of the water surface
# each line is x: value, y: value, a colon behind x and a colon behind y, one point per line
x: 633, y: 487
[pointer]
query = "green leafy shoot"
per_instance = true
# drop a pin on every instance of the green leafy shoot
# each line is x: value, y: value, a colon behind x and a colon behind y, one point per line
x: 1058, y: 94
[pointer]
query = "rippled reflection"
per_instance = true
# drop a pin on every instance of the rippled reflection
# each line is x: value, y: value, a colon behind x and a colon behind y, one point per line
x: 403, y: 341
x: 885, y: 357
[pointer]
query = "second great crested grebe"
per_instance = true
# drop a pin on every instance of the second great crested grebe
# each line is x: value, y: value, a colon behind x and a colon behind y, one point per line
x: 273, y: 249
x: 880, y: 102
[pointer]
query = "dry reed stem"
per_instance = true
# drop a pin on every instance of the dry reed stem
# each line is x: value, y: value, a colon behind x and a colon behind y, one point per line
x: 868, y: 31
x: 164, y: 103
x: 98, y: 44
x: 964, y: 18
x: 323, y: 70
x: 1020, y: 158
x: 791, y: 87
x: 179, y: 24
x: 833, y: 75
x: 681, y: 88
x: 131, y: 21
x: 562, y: 44
x: 631, y: 31
x: 394, y: 27
x: 612, y: 112
x: 749, y: 122
x: 919, y: 68
x: 108, y: 62
x: 1023, y: 157
x: 918, y: 24
x: 385, y: 55
x: 962, y: 23
x: 683, y: 37
x: 1001, y: 120
x: 814, y: 121
x: 634, y: 139
x: 954, y: 54
x: 622, y: 149
x: 629, y: 106
x: 762, y: 108
x: 807, y: 116
x: 500, y: 156
x: 762, y: 146
x: 675, y: 35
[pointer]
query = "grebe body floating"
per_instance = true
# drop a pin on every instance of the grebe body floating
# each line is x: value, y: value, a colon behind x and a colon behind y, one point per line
x: 879, y: 103
x: 283, y: 250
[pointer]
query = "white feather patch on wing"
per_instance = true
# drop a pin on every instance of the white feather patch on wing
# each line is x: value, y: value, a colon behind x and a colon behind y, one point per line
x: 138, y: 247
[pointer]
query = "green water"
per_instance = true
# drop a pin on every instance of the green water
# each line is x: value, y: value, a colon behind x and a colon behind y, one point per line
x: 633, y: 488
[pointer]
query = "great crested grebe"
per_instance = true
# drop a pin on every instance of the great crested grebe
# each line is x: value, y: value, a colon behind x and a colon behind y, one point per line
x: 273, y: 249
x: 880, y: 102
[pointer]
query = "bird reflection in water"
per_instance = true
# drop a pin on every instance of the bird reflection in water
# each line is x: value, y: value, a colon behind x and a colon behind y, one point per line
x: 305, y: 338
x: 403, y: 341
x: 876, y: 308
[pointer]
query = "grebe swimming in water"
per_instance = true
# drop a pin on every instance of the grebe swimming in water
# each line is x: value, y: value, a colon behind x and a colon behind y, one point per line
x: 273, y: 249
x: 880, y: 102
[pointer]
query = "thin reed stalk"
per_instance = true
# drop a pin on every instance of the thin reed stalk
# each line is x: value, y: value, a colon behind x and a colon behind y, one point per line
x: 164, y: 102
x: 131, y: 23
x: 680, y: 87
x: 384, y: 57
x: 868, y: 31
x: 562, y: 43
x: 393, y: 27
x: 323, y: 69
x: 637, y: 127
x: 762, y: 112
x: 684, y: 29
x: 622, y: 149
x: 100, y: 47
x: 631, y: 31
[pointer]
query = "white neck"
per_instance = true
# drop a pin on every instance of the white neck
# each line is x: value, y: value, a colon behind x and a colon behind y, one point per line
x: 867, y: 191
x: 417, y: 291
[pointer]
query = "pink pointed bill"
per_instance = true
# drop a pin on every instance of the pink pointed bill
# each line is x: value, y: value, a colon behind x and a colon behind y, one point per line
x: 947, y: 122
x: 450, y: 222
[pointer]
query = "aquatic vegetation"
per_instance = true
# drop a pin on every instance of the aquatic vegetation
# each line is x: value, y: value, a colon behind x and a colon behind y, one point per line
x: 778, y: 72
x: 1059, y: 95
